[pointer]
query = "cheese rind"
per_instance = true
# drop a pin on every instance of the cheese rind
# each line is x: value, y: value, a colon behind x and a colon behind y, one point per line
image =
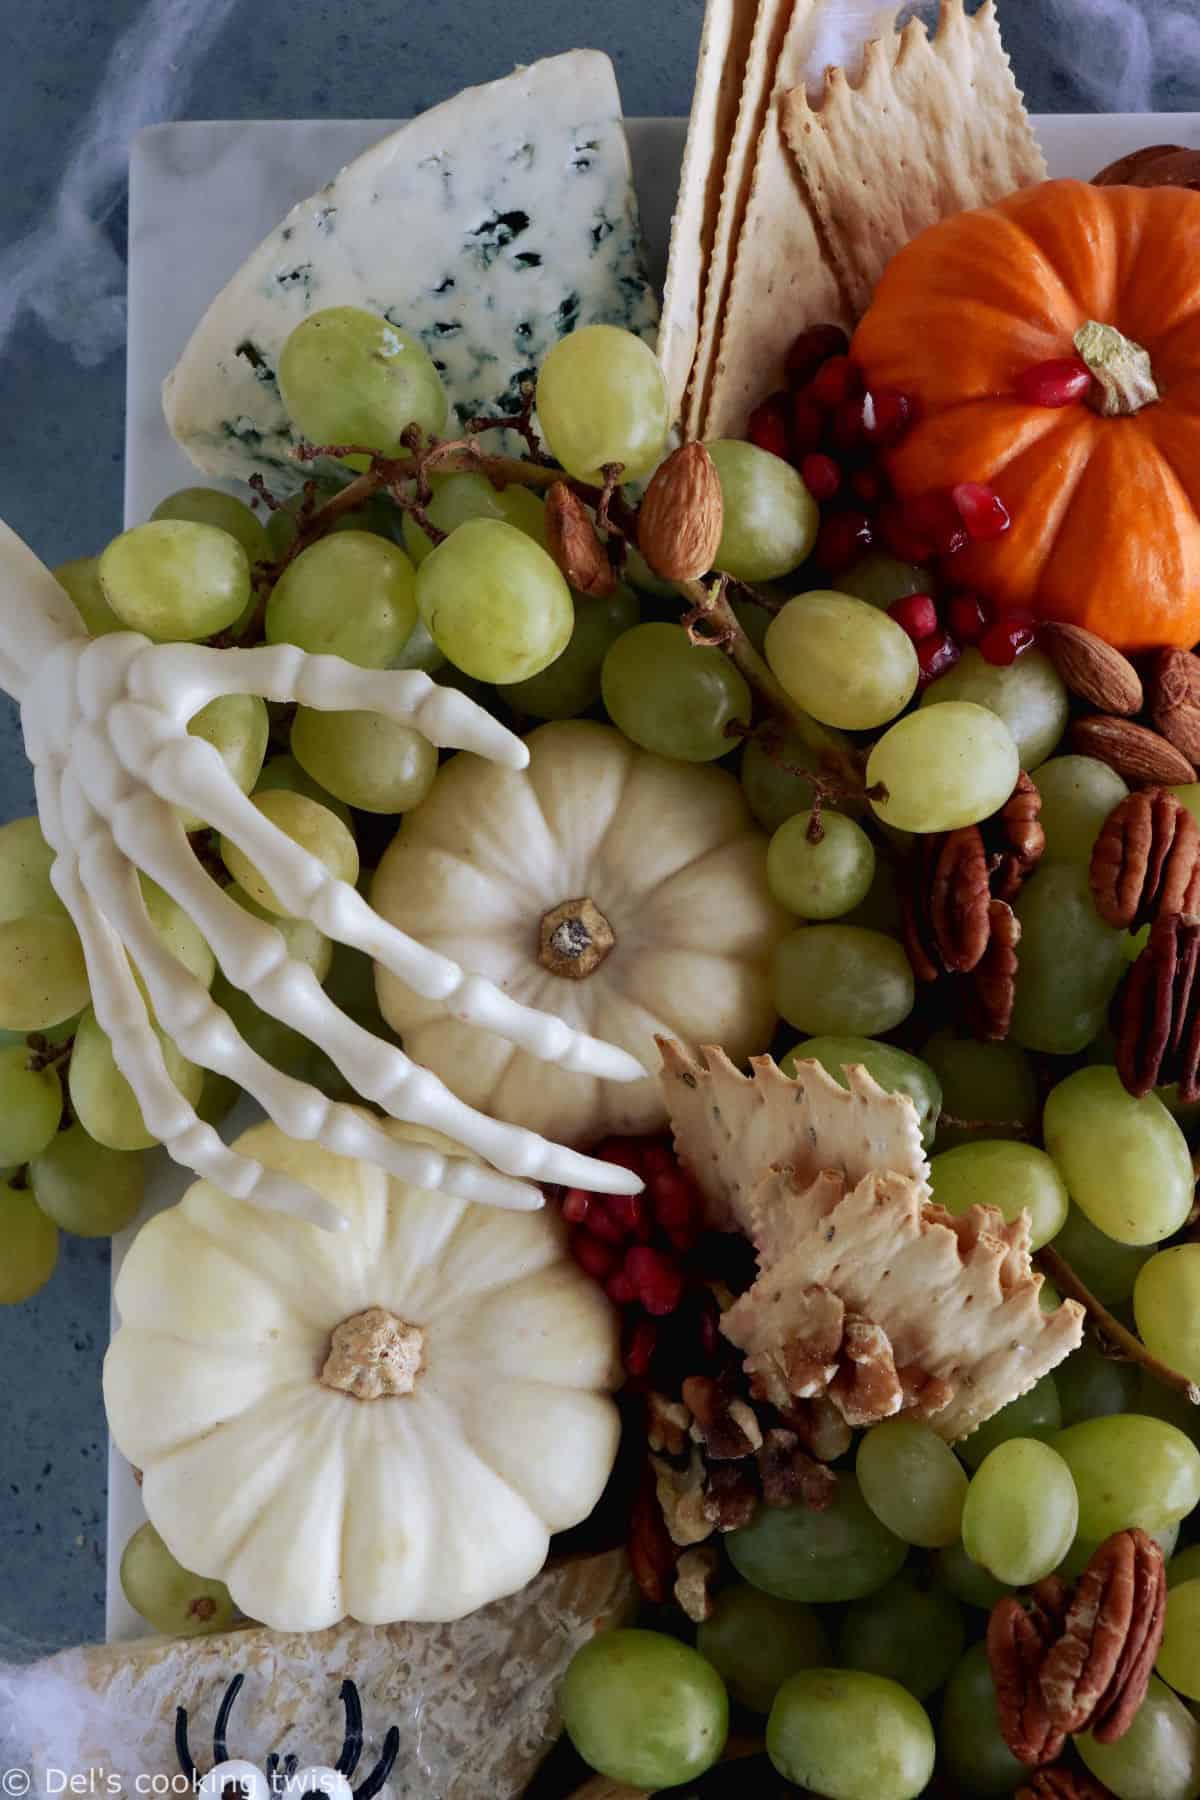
x: 489, y: 227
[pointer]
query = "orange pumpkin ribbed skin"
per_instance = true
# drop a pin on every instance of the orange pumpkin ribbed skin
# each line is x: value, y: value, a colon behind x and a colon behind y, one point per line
x: 1105, y: 512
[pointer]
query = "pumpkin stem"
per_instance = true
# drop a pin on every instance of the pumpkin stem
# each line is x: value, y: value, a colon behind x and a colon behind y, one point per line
x: 1122, y: 379
x: 574, y: 938
x: 373, y: 1354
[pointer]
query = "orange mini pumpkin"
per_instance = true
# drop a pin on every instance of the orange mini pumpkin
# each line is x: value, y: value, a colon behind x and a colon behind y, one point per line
x: 1105, y: 509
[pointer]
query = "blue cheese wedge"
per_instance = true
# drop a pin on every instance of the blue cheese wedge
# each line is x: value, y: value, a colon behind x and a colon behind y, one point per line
x: 490, y: 227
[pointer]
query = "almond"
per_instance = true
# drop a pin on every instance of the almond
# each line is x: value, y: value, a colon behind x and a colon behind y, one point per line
x: 1091, y: 668
x: 1174, y: 699
x: 1141, y: 756
x: 682, y: 516
x: 574, y: 543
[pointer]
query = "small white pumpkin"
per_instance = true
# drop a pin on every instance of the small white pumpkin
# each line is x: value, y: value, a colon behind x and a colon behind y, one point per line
x: 385, y: 1423
x: 620, y: 890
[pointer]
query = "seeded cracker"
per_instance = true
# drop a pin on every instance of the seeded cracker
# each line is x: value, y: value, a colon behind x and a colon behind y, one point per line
x: 931, y: 128
x: 720, y: 74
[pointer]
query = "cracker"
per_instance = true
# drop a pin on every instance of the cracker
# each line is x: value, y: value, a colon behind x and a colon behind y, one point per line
x: 781, y: 280
x: 720, y: 73
x: 932, y: 127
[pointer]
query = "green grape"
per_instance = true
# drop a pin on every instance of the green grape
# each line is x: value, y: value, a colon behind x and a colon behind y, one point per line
x: 1036, y: 1414
x: 1070, y: 962
x: 25, y: 862
x: 365, y: 758
x: 879, y: 909
x: 85, y: 1187
x: 28, y: 1245
x: 1078, y: 793
x: 1049, y: 1300
x: 494, y: 602
x: 1189, y: 793
x: 351, y: 986
x: 966, y: 1580
x: 821, y: 878
x: 755, y: 1642
x: 1108, y: 1268
x: 773, y: 787
x: 43, y: 977
x: 642, y: 576
x: 308, y: 824
x: 850, y: 1736
x: 1083, y: 1549
x: 303, y: 940
x: 670, y: 696
x: 845, y: 662
x: 912, y: 1481
x: 525, y: 510
x: 991, y: 1085
x: 239, y: 727
x: 1165, y: 1306
x: 895, y: 1070
x: 1028, y: 695
x: 834, y: 980
x: 458, y: 498
x: 1021, y: 1511
x: 375, y: 515
x: 270, y: 1038
x: 81, y: 578
x: 351, y: 594
x: 346, y: 376
x: 971, y: 1749
x: 209, y: 506
x: 841, y: 1553
x: 218, y: 1097
x: 571, y: 683
x: 1092, y: 1385
x: 754, y: 621
x: 104, y: 1102
x: 30, y: 1106
x: 284, y: 773
x: 166, y: 1595
x: 1158, y: 1758
x: 881, y: 580
x: 644, y: 1709
x: 1010, y: 1177
x: 1158, y: 1401
x: 942, y: 767
x: 179, y: 932
x: 601, y: 399
x: 1130, y: 1470
x: 909, y: 1631
x: 771, y: 519
x: 1184, y: 1567
x: 174, y: 579
x: 420, y: 652
x: 1125, y: 1161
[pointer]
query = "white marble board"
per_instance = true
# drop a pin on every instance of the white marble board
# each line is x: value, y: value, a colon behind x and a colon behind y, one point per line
x: 201, y: 196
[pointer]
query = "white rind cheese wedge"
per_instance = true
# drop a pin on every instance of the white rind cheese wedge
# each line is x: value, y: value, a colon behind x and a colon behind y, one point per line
x: 490, y: 227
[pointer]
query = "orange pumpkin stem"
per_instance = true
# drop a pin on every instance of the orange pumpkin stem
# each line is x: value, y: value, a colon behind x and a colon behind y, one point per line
x: 1122, y: 379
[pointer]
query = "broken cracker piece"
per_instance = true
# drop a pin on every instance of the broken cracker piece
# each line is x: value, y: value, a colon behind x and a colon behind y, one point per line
x: 932, y: 127
x: 731, y: 1128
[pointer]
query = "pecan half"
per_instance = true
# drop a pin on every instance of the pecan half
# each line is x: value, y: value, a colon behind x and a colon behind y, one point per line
x: 695, y: 1574
x: 730, y: 1499
x: 958, y: 899
x: 866, y: 1387
x: 1095, y: 1676
x: 666, y: 1424
x: 994, y: 981
x: 790, y: 1476
x: 724, y: 1423
x: 1146, y: 860
x: 1015, y: 839
x: 1174, y: 699
x: 681, y: 1497
x: 819, y: 1426
x: 1158, y: 1011
x: 1018, y: 1636
x: 1063, y: 1783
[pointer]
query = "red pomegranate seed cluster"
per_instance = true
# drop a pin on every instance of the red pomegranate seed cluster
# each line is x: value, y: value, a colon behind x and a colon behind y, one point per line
x: 833, y: 429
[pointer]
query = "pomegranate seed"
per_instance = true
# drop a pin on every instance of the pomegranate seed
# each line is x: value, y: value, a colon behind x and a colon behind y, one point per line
x: 602, y: 1223
x: 821, y: 476
x: 575, y: 1206
x: 620, y: 1288
x: 808, y: 425
x: 870, y: 485
x: 1004, y: 640
x: 675, y: 1199
x: 915, y: 614
x: 886, y: 415
x: 639, y: 1351
x: 632, y: 1214
x: 811, y: 349
x: 657, y: 1280
x: 627, y: 1153
x: 1059, y: 382
x: 847, y: 427
x: 901, y: 536
x: 767, y: 426
x: 842, y: 539
x: 594, y: 1258
x: 934, y: 656
x: 935, y: 519
x: 836, y: 381
x: 967, y: 618
x: 981, y: 509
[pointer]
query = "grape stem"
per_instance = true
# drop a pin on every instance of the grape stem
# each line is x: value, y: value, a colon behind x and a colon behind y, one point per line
x: 1122, y: 1341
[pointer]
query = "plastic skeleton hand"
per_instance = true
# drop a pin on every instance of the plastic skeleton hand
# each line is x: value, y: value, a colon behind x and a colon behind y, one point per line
x: 105, y: 726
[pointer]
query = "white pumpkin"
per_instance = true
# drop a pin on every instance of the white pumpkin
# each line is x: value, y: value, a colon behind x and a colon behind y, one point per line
x: 620, y: 890
x: 385, y: 1423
